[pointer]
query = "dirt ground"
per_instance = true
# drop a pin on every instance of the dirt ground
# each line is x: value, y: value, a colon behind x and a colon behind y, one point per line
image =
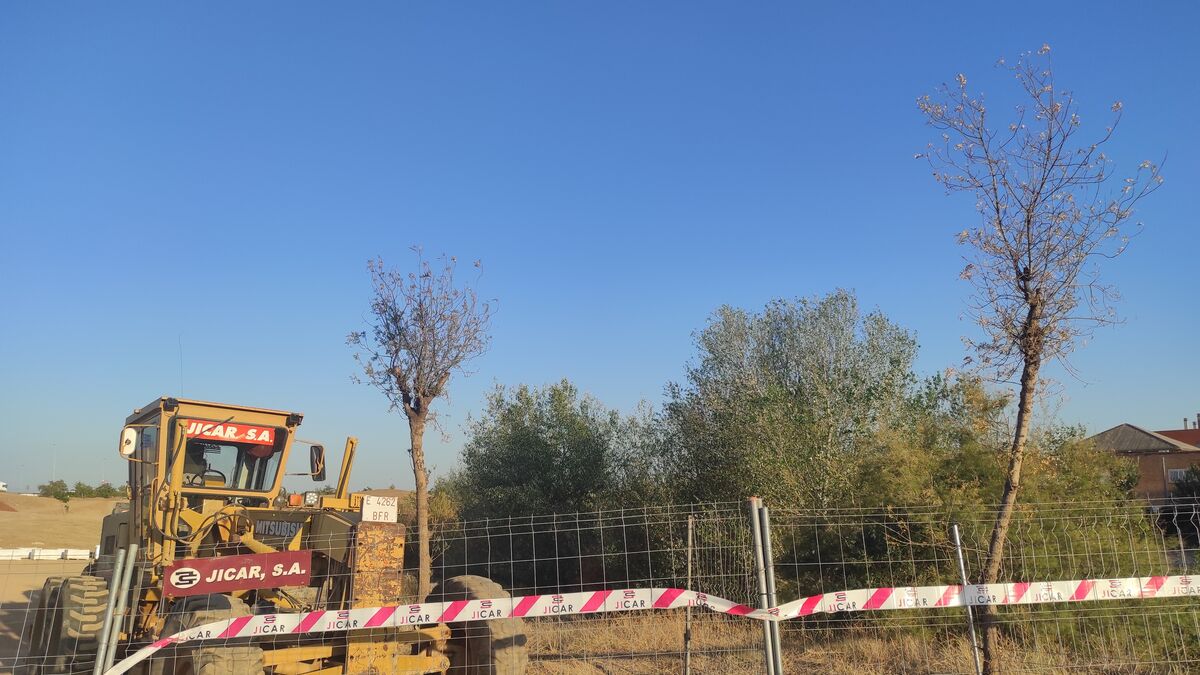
x: 43, y: 522
x: 39, y: 522
x: 19, y: 580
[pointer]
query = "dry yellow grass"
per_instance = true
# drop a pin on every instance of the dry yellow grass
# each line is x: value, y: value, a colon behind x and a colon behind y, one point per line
x: 43, y: 522
x: 650, y: 644
x: 643, y: 643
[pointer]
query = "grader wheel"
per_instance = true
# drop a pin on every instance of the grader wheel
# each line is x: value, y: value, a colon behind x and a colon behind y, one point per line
x: 66, y: 626
x: 495, y: 647
x: 207, y: 659
x: 83, y: 602
x: 34, y: 652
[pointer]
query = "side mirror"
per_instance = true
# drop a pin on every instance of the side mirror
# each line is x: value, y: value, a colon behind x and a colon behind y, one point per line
x: 316, y: 463
x: 129, y: 439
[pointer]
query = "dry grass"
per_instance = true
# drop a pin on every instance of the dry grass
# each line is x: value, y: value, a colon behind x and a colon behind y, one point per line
x: 643, y: 643
x: 861, y: 653
x: 43, y: 522
x: 651, y: 643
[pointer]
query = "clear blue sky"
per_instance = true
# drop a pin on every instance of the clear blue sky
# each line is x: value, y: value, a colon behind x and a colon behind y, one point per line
x: 215, y: 175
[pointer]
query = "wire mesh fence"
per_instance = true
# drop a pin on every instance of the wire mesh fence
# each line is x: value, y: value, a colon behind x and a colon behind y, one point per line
x: 645, y: 547
x: 827, y: 551
x: 703, y: 547
x: 851, y: 548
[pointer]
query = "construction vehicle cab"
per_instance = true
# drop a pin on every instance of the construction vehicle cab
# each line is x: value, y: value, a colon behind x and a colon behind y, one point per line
x: 206, y: 481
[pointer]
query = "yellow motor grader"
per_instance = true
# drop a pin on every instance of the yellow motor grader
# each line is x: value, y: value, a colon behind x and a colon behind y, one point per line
x: 217, y: 538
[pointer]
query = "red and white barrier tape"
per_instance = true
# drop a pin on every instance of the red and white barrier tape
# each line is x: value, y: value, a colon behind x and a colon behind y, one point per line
x: 592, y: 602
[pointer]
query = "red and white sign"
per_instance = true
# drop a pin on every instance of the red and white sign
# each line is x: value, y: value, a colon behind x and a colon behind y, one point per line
x: 198, y: 576
x: 229, y: 431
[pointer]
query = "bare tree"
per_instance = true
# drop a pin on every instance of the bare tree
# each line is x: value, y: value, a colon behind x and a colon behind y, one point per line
x: 1050, y: 212
x: 424, y: 327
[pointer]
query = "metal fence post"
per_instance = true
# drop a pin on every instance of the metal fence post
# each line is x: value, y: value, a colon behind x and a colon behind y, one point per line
x: 106, y: 627
x: 687, y: 617
x: 962, y: 571
x: 769, y: 566
x: 122, y: 593
x: 761, y: 574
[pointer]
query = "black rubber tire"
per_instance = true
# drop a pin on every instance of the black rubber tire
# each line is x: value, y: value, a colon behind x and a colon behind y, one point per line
x: 495, y: 647
x: 68, y: 632
x: 213, y: 658
x: 32, y: 656
x: 83, y: 600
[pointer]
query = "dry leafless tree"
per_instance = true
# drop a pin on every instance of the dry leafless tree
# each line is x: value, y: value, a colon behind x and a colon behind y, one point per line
x: 424, y: 326
x: 1051, y: 210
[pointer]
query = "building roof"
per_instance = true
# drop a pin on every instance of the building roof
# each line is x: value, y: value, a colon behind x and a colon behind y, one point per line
x: 1189, y: 436
x: 1127, y: 438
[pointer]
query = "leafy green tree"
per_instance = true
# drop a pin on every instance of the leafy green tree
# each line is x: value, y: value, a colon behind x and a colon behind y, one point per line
x: 535, y: 452
x: 942, y: 461
x: 551, y: 450
x: 949, y: 446
x: 57, y: 489
x: 83, y: 490
x: 779, y: 402
x: 1189, y: 486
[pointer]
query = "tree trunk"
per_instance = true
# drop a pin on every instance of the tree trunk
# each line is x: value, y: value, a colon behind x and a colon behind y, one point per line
x: 416, y: 431
x: 1008, y: 500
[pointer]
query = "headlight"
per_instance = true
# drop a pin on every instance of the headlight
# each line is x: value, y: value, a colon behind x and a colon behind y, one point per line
x: 311, y: 498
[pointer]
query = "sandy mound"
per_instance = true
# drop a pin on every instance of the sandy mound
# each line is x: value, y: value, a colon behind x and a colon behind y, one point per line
x: 43, y: 522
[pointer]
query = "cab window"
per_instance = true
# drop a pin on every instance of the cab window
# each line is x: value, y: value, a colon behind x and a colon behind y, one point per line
x: 224, y: 464
x: 140, y: 473
x: 147, y: 449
